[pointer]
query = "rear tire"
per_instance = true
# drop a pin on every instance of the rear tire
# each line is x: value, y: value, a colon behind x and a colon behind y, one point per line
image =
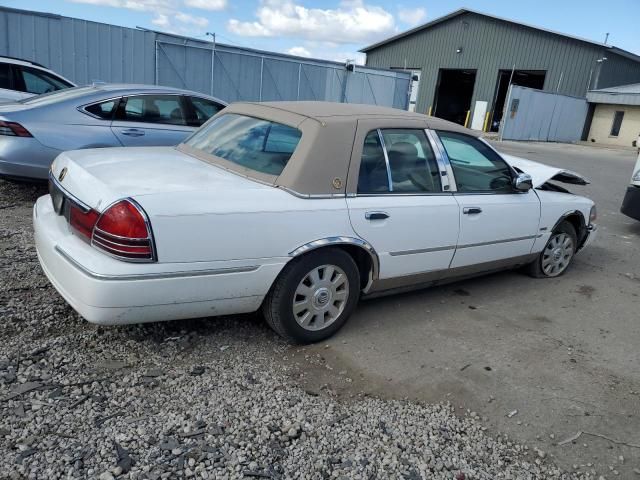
x: 558, y: 253
x: 313, y: 296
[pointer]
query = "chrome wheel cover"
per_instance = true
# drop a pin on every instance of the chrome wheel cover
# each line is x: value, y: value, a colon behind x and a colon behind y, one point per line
x: 557, y: 254
x: 321, y: 297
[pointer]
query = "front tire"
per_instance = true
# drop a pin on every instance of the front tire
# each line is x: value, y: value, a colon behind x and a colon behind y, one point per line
x: 313, y: 296
x: 558, y: 253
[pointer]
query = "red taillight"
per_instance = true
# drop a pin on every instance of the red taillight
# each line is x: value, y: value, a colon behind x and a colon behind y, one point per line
x: 81, y: 221
x: 123, y: 231
x: 13, y: 129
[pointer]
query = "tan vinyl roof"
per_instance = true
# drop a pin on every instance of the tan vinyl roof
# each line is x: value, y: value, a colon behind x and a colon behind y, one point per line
x: 320, y: 164
x: 330, y: 112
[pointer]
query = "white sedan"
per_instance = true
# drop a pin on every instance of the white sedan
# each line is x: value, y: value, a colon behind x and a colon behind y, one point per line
x: 298, y: 209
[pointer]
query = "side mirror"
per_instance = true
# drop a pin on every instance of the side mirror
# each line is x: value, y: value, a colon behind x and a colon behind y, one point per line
x: 523, y: 182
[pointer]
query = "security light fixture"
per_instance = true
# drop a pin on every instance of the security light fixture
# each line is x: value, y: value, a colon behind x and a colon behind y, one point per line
x: 459, y: 50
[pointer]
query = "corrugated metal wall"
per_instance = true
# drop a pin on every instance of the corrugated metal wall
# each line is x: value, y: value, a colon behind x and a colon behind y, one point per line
x: 490, y: 45
x: 243, y: 74
x: 543, y: 116
x: 85, y: 51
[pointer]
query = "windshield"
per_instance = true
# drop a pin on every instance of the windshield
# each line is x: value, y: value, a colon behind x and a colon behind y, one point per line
x: 252, y: 143
x: 58, y: 96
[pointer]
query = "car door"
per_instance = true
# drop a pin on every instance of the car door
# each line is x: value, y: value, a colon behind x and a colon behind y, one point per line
x: 401, y: 205
x: 154, y: 119
x: 496, y: 221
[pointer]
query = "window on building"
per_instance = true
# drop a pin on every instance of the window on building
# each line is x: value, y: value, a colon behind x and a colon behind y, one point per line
x: 617, y: 123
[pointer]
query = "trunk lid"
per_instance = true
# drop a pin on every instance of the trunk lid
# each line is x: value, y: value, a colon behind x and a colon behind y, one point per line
x: 542, y: 173
x: 99, y: 177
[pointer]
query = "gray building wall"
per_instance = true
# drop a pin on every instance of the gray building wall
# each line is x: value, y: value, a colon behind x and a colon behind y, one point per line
x: 86, y: 51
x: 489, y: 45
x: 77, y: 49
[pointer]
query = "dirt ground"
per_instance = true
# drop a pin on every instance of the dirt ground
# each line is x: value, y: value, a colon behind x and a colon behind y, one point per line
x: 540, y: 361
x: 563, y: 353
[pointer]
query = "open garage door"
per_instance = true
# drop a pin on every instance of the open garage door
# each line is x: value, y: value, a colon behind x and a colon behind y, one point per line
x: 453, y: 95
x: 524, y: 78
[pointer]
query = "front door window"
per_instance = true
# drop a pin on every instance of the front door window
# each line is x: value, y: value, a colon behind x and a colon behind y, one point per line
x: 477, y: 168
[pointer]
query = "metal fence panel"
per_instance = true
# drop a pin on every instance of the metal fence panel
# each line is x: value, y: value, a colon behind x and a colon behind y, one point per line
x: 85, y: 51
x: 542, y: 116
x: 251, y: 76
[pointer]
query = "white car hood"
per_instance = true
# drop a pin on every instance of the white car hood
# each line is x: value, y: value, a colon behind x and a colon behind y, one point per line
x: 542, y: 173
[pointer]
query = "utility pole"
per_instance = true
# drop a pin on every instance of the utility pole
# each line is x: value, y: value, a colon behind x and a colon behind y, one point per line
x: 213, y: 57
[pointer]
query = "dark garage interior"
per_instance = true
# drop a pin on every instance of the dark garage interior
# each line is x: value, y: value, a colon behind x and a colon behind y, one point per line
x: 453, y: 94
x: 522, y: 78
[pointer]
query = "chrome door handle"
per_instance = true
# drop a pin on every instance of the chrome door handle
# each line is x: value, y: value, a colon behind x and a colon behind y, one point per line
x: 133, y: 132
x: 471, y: 210
x: 376, y: 215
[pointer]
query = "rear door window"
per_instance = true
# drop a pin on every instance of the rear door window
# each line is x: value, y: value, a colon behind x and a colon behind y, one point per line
x: 412, y: 163
x: 39, y: 82
x: 163, y: 109
x: 103, y: 110
x: 404, y: 164
x: 5, y: 76
x: 253, y: 143
x: 203, y: 110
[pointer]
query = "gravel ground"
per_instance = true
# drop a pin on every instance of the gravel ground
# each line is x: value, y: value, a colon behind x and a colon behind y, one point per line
x: 203, y: 399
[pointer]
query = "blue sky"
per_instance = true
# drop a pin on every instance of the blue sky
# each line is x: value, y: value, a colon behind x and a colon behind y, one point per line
x: 336, y: 29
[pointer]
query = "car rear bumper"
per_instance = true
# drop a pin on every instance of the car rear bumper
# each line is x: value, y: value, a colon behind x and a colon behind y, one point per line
x: 25, y: 158
x: 91, y: 283
x: 631, y: 203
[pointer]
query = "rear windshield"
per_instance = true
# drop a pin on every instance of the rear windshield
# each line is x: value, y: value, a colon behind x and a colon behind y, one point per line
x: 257, y: 144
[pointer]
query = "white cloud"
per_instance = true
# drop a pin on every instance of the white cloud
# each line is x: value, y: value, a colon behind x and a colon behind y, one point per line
x: 161, y: 21
x: 207, y: 4
x: 412, y: 16
x: 299, y: 52
x: 352, y: 22
x: 191, y: 19
x: 179, y: 22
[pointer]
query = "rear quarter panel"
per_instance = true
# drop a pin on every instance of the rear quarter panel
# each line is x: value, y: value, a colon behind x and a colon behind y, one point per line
x: 264, y: 223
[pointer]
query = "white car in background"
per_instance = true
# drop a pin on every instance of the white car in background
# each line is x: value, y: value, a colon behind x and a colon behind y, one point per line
x: 20, y: 79
x: 301, y: 209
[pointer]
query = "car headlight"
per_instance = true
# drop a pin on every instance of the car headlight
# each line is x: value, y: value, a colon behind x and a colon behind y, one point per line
x: 593, y: 215
x: 636, y: 176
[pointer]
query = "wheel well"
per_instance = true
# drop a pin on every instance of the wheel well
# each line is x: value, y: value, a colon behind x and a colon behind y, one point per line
x: 360, y: 256
x: 577, y: 221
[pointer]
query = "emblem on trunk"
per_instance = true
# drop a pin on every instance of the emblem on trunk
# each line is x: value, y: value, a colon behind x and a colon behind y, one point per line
x: 63, y: 173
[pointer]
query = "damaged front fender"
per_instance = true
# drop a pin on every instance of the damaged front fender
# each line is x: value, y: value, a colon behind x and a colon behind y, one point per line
x: 541, y: 173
